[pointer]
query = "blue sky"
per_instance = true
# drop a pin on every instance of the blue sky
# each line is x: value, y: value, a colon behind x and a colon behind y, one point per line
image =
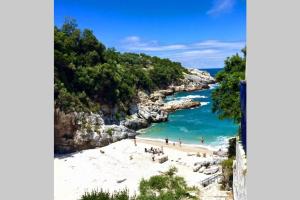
x: 197, y: 33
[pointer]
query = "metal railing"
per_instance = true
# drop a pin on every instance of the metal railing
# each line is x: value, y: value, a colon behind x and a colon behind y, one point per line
x: 210, y: 179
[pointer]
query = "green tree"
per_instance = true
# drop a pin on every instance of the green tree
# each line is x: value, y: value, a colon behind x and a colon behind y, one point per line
x: 86, y: 74
x: 226, y: 98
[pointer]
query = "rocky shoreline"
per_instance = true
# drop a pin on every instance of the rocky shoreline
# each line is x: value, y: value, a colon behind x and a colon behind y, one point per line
x: 78, y: 131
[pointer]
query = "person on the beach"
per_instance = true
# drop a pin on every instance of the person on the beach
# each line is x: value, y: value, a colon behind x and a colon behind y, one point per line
x: 202, y: 140
x: 167, y: 141
x: 179, y: 142
x: 153, y: 158
x: 134, y: 141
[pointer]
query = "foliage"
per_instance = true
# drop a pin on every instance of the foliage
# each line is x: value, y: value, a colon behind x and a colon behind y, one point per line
x: 110, y: 131
x: 87, y: 74
x: 102, y: 195
x: 167, y: 186
x: 162, y: 187
x: 226, y: 98
x: 227, y: 165
x: 227, y: 173
x: 231, y: 148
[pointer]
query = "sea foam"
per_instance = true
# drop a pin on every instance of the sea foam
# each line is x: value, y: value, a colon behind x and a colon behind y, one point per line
x: 187, y: 97
x: 204, y: 103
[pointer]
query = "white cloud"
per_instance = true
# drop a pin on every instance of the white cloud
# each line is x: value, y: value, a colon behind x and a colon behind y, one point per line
x: 136, y: 44
x: 220, y: 7
x: 202, y: 54
x: 132, y: 39
x: 220, y: 44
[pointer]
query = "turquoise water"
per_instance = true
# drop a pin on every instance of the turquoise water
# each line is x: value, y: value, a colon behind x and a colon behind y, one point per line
x: 191, y: 124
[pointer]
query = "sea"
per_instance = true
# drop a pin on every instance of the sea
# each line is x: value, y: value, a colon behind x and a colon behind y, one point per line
x: 190, y: 125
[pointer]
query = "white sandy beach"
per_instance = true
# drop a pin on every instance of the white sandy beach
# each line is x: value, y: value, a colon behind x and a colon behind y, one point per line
x: 90, y: 169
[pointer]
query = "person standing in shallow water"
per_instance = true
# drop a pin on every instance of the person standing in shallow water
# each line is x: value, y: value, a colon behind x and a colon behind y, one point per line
x: 179, y: 142
x: 202, y: 140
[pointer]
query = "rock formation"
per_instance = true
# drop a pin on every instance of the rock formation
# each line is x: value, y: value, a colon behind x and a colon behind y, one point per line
x: 78, y: 131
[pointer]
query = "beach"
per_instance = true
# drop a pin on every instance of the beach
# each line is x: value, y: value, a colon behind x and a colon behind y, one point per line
x: 123, y: 165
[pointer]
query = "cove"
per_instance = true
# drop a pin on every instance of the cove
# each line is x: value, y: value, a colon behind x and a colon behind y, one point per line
x: 191, y: 124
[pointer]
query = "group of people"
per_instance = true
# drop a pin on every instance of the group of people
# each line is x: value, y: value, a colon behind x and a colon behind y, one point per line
x: 167, y: 141
x: 154, y: 150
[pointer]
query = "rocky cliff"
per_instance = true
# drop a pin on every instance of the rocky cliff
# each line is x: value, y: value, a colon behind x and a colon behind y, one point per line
x: 78, y: 131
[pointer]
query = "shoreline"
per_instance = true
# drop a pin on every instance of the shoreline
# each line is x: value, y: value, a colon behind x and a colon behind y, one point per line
x: 193, y: 146
x: 187, y: 148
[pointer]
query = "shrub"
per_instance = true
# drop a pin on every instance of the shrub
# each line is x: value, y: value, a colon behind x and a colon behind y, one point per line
x: 231, y: 148
x: 227, y: 174
x: 167, y: 186
x: 110, y: 131
x: 102, y: 195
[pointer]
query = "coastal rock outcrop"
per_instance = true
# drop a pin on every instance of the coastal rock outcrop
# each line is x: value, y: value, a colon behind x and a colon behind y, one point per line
x: 77, y: 131
x: 197, y: 75
x: 171, y: 106
x: 134, y: 122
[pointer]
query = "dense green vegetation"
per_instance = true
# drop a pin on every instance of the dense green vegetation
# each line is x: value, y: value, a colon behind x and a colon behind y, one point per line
x: 227, y: 170
x: 226, y: 98
x: 102, y: 195
x: 167, y: 186
x: 227, y: 173
x: 226, y: 103
x: 87, y: 74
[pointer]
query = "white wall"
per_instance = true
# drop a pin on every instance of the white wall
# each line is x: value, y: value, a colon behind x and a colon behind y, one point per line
x: 239, y: 174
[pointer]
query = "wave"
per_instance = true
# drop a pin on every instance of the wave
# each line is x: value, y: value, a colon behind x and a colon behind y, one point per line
x: 186, y: 97
x: 194, y: 97
x: 204, y: 103
x: 213, y: 86
x: 184, y: 129
x: 221, y: 142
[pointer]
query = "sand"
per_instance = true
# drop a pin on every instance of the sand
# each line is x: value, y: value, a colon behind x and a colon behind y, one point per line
x: 122, y: 162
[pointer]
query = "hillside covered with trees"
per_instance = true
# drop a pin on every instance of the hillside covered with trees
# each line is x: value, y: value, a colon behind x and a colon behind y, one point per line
x: 88, y: 74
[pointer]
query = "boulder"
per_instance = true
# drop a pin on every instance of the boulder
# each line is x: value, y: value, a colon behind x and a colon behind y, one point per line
x: 162, y: 158
x: 135, y: 123
x: 196, y: 168
x: 201, y: 170
x: 171, y: 106
x: 202, y: 76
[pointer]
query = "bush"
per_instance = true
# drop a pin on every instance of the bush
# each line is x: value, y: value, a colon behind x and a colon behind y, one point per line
x: 161, y: 187
x: 110, y: 131
x: 102, y: 195
x: 227, y: 174
x: 231, y: 148
x: 165, y: 187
